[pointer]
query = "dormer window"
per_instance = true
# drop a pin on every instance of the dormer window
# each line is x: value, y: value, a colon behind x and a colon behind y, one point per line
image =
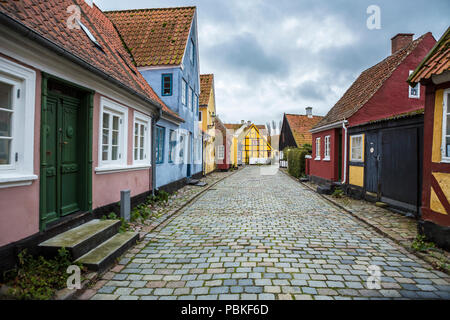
x: 414, y: 92
x: 167, y: 84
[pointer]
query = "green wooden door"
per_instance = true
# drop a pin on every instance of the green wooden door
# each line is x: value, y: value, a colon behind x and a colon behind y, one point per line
x: 62, y: 157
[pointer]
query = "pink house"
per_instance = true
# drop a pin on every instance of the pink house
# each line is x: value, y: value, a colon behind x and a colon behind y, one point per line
x: 76, y: 121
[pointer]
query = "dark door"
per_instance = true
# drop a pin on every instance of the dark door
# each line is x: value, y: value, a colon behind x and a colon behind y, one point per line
x: 62, y: 157
x: 372, y: 155
x: 401, y: 167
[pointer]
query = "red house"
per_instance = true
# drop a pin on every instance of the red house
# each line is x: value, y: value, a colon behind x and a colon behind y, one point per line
x: 371, y: 139
x: 223, y: 146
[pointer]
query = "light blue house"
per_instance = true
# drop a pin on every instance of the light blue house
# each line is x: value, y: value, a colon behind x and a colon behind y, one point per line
x: 164, y: 45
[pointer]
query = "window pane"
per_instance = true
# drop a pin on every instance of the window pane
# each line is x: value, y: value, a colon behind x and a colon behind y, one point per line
x: 105, y: 136
x: 142, y: 154
x: 105, y: 153
x: 114, y: 153
x: 115, y: 138
x: 105, y: 120
x: 115, y: 123
x: 5, y: 151
x: 5, y: 96
x: 136, y: 128
x: 447, y: 146
x: 448, y: 125
x: 5, y: 123
x: 142, y: 130
x: 136, y: 153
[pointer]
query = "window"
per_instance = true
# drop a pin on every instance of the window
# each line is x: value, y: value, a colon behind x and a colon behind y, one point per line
x: 198, y: 150
x: 221, y: 152
x: 192, y: 51
x: 200, y: 116
x: 414, y: 92
x: 142, y: 138
x: 167, y: 84
x: 183, y: 92
x: 327, y: 147
x: 356, y: 148
x: 182, y: 147
x: 160, y: 135
x: 89, y: 34
x: 317, y: 149
x: 196, y: 104
x: 17, y: 107
x: 446, y: 128
x: 190, y: 98
x: 113, y: 135
x: 172, y: 145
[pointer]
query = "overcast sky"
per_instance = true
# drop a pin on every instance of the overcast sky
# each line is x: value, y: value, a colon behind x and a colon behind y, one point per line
x: 271, y: 57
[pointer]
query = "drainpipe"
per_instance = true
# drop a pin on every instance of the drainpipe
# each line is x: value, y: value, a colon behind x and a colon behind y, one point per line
x: 155, y: 119
x: 345, y: 151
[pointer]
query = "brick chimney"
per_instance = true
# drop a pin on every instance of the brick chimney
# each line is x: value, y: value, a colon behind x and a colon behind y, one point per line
x: 401, y: 40
x: 309, y: 112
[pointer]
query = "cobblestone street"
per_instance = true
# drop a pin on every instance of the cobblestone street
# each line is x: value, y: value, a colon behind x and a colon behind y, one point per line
x: 254, y: 236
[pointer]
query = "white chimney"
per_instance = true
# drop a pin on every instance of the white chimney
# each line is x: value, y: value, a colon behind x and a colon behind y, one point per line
x: 242, y: 121
x: 309, y: 112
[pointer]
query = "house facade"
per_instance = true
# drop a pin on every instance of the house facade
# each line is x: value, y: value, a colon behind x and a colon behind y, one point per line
x: 362, y: 140
x: 433, y: 75
x: 76, y: 121
x: 222, y: 144
x: 206, y: 115
x: 295, y: 129
x: 256, y: 148
x: 168, y: 58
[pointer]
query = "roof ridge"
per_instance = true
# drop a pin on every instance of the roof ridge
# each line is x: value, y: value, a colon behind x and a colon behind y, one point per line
x: 151, y: 9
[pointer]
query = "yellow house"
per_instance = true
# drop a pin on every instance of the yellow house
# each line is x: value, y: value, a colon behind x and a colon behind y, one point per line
x: 236, y: 133
x: 256, y: 148
x: 207, y: 113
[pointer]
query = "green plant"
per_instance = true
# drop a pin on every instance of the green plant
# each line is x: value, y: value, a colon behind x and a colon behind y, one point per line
x: 39, y: 278
x: 420, y: 244
x: 338, y: 193
x: 163, y: 196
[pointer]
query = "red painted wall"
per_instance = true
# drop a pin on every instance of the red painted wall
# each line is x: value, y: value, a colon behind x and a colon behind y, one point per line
x: 393, y: 97
x: 328, y: 170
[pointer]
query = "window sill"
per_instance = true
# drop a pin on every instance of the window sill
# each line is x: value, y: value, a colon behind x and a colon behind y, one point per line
x: 316, y: 159
x: 117, y: 169
x: 10, y: 180
x: 326, y: 159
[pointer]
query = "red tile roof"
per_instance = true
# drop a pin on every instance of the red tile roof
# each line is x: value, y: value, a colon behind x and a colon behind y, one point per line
x: 300, y: 126
x: 367, y: 84
x: 233, y: 126
x: 47, y: 19
x: 436, y: 62
x: 155, y: 37
x: 206, y: 84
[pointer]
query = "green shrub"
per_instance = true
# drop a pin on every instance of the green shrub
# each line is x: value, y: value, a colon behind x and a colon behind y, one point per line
x: 296, y: 161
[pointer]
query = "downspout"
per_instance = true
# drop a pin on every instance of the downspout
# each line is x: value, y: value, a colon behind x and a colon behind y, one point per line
x: 345, y: 152
x: 154, y: 121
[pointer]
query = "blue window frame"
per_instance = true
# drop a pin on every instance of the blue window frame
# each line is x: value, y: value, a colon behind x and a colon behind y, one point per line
x: 167, y: 84
x: 172, y: 145
x: 160, y: 135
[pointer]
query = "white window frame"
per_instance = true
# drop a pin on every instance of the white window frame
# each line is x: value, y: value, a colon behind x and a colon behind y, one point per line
x: 142, y: 119
x: 221, y: 152
x: 113, y: 108
x: 445, y: 113
x: 352, y: 144
x: 317, y: 149
x: 20, y: 172
x: 327, y: 149
x: 190, y: 102
x: 410, y: 95
x: 183, y: 92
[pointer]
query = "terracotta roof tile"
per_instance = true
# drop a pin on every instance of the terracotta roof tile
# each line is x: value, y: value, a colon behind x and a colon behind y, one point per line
x: 206, y: 84
x: 367, y: 84
x: 47, y: 18
x: 155, y: 37
x: 300, y: 126
x: 436, y: 62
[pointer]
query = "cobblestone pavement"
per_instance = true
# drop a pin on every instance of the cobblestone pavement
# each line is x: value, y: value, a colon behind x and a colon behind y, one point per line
x: 267, y: 237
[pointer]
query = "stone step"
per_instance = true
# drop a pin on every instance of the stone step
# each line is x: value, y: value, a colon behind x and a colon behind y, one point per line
x: 80, y: 240
x: 104, y: 255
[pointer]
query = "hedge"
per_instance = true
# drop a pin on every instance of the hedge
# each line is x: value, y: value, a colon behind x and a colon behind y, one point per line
x: 296, y: 160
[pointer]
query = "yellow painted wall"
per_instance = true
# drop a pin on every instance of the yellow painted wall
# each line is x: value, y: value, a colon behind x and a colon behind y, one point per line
x: 255, y: 146
x: 356, y: 176
x: 207, y: 119
x: 437, y: 126
x: 443, y: 180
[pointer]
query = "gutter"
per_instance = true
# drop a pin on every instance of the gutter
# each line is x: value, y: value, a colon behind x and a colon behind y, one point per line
x: 154, y: 121
x: 34, y: 36
x: 328, y: 126
x: 345, y: 151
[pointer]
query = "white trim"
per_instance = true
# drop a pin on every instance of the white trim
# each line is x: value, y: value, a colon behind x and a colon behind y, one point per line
x: 329, y: 126
x: 141, y: 69
x: 141, y: 118
x: 115, y: 169
x: 445, y: 112
x: 122, y: 111
x: 345, y: 152
x: 23, y: 119
x: 16, y: 180
x: 362, y: 148
x: 317, y: 158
